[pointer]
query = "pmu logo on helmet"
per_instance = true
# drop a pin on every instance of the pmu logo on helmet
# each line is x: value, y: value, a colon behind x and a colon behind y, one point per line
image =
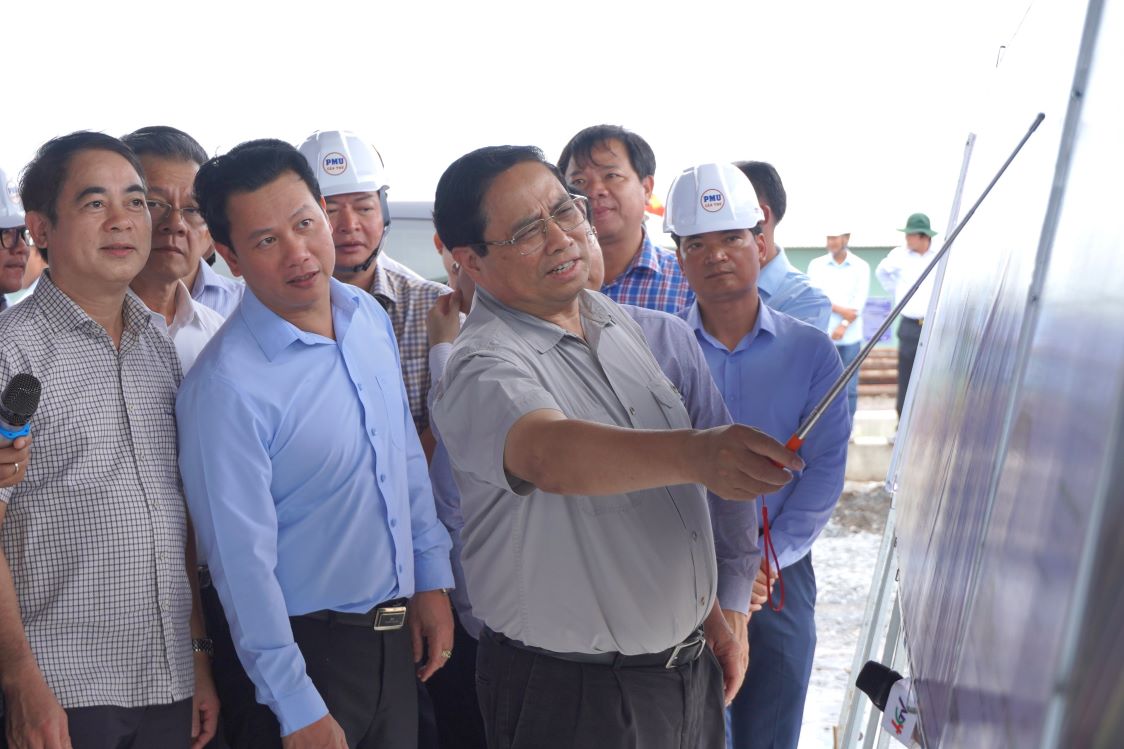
x: 713, y: 200
x: 335, y: 163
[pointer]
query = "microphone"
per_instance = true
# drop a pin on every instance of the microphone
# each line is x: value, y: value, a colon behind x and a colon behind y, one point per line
x: 17, y: 405
x: 887, y: 689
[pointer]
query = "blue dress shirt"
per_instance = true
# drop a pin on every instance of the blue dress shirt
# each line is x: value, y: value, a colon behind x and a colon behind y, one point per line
x: 216, y: 291
x: 772, y: 379
x: 306, y: 482
x: 734, y: 523
x: 787, y: 290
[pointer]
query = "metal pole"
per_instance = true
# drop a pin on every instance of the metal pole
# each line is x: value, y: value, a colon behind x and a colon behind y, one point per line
x: 801, y: 433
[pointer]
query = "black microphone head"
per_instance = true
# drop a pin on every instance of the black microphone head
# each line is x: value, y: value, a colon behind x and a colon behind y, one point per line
x: 20, y: 399
x: 875, y: 681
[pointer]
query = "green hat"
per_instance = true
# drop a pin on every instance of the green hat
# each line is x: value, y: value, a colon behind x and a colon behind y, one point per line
x: 918, y: 223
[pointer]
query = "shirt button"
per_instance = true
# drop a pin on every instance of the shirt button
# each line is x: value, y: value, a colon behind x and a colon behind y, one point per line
x: 694, y: 535
x: 393, y: 523
x: 399, y: 568
x: 359, y: 385
x: 702, y: 600
x: 632, y: 410
x: 382, y: 478
x: 374, y: 431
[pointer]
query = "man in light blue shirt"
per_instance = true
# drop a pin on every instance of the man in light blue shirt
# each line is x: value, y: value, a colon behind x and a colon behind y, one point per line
x: 215, y: 290
x: 845, y: 278
x: 780, y: 284
x: 304, y: 474
x: 772, y: 370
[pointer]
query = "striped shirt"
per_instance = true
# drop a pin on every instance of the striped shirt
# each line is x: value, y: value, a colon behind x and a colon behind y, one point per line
x: 94, y: 534
x: 653, y: 280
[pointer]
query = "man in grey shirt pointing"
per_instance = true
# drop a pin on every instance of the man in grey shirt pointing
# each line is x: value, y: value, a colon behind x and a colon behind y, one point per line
x: 588, y: 551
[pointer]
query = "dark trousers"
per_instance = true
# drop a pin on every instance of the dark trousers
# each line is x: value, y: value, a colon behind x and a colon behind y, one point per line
x: 534, y: 701
x: 847, y: 354
x: 110, y: 727
x: 909, y: 333
x: 453, y: 691
x: 769, y: 709
x: 366, y: 678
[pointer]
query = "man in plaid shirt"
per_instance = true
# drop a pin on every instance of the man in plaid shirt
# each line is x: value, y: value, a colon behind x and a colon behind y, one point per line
x: 615, y: 169
x: 97, y: 615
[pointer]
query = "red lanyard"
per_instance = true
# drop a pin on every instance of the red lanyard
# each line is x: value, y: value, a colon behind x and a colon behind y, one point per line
x: 770, y: 550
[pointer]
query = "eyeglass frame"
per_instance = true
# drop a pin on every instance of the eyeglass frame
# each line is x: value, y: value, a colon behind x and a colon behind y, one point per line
x: 579, y: 202
x: 166, y: 214
x: 22, y: 232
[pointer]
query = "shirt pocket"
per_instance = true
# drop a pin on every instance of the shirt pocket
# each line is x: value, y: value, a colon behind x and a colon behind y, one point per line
x: 394, y: 410
x: 670, y: 403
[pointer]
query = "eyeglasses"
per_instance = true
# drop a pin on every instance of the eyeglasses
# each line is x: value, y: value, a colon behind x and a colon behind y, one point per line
x: 532, y: 238
x: 692, y: 246
x: 9, y: 238
x: 162, y: 211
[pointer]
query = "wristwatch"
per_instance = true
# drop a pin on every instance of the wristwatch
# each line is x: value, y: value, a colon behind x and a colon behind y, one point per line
x: 203, y: 645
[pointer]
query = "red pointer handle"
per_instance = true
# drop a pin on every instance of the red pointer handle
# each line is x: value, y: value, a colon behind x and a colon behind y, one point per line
x: 794, y: 443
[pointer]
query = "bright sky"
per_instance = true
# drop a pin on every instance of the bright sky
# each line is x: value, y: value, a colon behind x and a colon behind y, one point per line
x: 863, y: 106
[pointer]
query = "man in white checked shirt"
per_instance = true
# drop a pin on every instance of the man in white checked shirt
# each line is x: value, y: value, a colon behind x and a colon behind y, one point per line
x: 96, y: 609
x: 351, y: 178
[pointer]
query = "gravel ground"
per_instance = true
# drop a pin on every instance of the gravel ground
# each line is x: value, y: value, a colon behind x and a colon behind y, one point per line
x: 845, y: 555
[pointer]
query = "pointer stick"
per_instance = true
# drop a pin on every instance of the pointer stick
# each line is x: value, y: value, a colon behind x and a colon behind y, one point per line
x: 801, y: 433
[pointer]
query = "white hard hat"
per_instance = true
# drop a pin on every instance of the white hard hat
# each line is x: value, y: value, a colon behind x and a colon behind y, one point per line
x: 343, y: 162
x: 711, y: 197
x: 11, y: 212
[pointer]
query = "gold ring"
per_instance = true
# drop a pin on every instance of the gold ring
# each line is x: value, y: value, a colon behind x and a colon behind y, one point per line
x: 17, y: 469
x: 446, y: 654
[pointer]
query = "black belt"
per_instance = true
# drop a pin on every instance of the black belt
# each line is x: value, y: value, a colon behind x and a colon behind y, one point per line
x: 685, y: 652
x: 382, y: 618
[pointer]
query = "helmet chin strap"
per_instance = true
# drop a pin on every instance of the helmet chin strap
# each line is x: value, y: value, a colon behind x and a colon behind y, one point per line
x: 363, y: 266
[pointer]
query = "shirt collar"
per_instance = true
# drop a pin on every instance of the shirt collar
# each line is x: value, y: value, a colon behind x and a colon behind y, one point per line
x: 647, y: 259
x: 274, y: 334
x: 382, y: 285
x: 185, y: 313
x: 541, y: 334
x: 766, y: 322
x: 63, y: 313
x: 773, y: 274
x: 204, y: 278
x: 844, y: 264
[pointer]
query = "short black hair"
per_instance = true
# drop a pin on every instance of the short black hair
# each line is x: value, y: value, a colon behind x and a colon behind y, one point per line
x: 458, y: 205
x: 165, y: 142
x: 42, y: 179
x: 247, y: 167
x: 580, y: 148
x: 767, y: 184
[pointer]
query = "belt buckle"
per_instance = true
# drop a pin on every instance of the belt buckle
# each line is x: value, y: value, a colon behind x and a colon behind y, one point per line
x: 389, y: 618
x: 673, y: 660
